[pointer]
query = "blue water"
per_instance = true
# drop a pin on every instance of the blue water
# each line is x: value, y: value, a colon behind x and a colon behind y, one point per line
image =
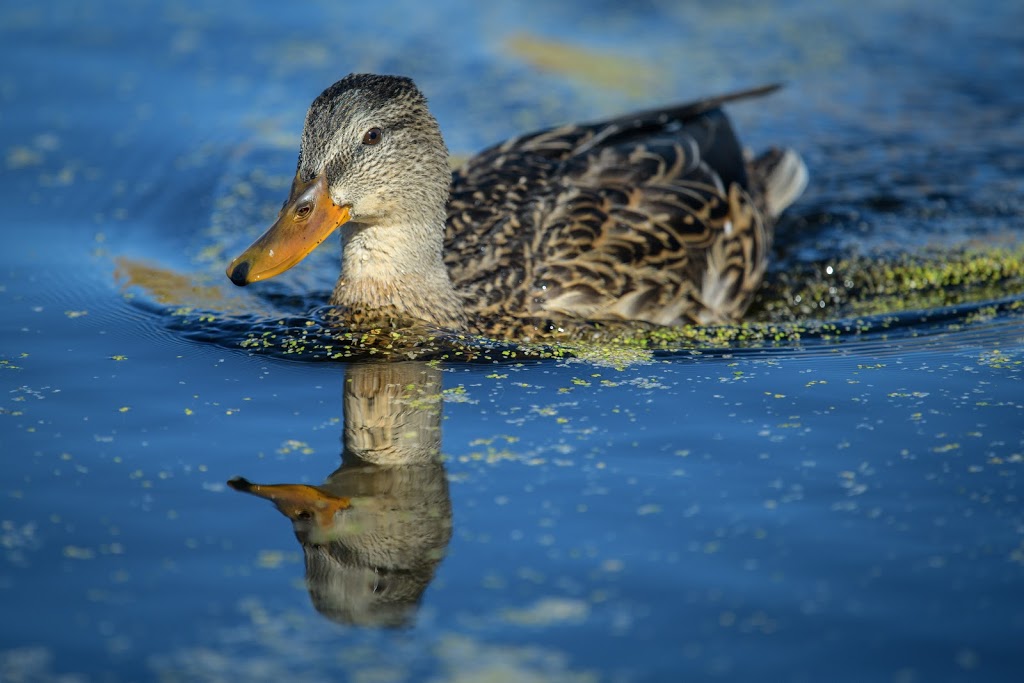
x: 810, y: 510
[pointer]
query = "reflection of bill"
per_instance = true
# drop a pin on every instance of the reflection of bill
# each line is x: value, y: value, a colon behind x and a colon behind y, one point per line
x: 375, y: 531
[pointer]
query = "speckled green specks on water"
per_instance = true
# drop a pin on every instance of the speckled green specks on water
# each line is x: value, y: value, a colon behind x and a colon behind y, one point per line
x: 883, y: 285
x: 828, y: 492
x: 841, y: 300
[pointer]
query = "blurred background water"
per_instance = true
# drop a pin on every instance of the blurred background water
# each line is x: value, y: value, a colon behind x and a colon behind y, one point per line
x: 802, y: 511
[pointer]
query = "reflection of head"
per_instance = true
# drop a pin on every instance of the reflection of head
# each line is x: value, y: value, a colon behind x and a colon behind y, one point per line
x: 375, y: 531
x: 384, y: 549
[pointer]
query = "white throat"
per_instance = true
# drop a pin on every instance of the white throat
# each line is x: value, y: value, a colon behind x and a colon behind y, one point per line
x: 399, y: 268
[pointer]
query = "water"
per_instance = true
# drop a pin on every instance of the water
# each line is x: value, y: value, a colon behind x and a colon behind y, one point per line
x: 839, y: 508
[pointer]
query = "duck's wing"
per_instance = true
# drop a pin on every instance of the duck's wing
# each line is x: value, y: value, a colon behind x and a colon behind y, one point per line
x: 647, y: 217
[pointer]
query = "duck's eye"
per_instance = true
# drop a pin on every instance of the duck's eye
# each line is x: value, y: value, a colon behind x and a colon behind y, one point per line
x: 303, y: 210
x: 373, y: 136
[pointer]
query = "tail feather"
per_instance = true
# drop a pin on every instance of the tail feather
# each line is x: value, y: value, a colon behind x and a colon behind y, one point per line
x: 783, y: 175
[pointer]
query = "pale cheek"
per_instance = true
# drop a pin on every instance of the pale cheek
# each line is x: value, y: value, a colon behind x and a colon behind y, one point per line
x: 374, y: 206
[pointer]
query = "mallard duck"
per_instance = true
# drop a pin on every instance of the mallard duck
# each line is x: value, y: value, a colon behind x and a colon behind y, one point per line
x: 655, y: 217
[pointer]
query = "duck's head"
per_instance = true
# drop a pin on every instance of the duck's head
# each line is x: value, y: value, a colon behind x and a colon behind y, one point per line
x: 371, y: 154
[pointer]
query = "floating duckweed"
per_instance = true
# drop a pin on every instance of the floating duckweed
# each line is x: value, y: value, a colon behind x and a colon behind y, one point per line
x: 295, y: 446
x: 874, y: 286
x: 77, y: 553
x: 819, y: 304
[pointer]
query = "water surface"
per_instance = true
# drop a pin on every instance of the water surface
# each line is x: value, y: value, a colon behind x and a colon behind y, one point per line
x: 823, y: 507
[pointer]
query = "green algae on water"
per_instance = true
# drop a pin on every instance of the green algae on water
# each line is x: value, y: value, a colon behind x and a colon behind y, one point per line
x: 821, y: 303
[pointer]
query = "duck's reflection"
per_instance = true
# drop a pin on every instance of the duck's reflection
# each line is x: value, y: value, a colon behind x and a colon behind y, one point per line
x: 375, y: 531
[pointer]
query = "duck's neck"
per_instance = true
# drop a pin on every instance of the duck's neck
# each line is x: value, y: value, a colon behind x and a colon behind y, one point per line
x: 397, y: 269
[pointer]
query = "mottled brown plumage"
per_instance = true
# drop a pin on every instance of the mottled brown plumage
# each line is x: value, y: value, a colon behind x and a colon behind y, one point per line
x: 654, y: 217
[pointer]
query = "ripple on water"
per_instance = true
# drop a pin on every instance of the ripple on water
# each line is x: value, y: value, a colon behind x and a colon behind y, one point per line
x: 283, y: 323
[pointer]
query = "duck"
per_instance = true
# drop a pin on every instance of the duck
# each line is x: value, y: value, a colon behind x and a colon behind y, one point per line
x: 656, y: 217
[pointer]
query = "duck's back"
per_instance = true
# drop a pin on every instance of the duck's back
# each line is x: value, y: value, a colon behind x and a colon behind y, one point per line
x: 653, y: 217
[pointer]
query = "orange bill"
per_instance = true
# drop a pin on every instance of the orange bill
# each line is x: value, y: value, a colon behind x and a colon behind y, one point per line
x: 297, y: 501
x: 309, y: 217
